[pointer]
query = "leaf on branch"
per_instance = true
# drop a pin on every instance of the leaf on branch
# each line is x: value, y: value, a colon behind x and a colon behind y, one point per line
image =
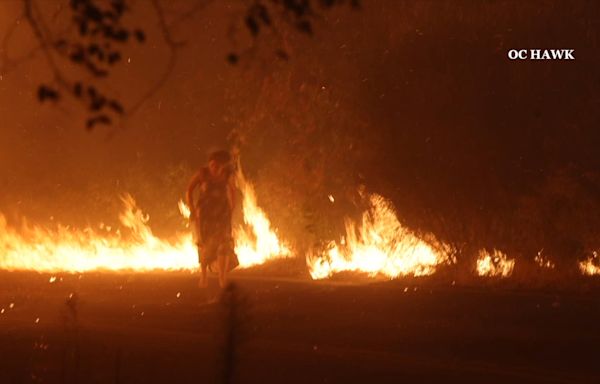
x: 78, y: 89
x: 98, y: 72
x: 283, y: 55
x: 113, y: 57
x: 110, y: 15
x: 327, y: 3
x: 60, y: 44
x: 47, y: 93
x: 263, y: 13
x: 305, y: 27
x: 92, y: 92
x: 95, y: 31
x: 83, y: 28
x: 140, y: 35
x: 298, y: 8
x: 252, y: 25
x: 93, y: 13
x: 93, y: 49
x: 76, y: 3
x: 77, y: 56
x: 233, y: 58
x: 121, y: 35
x: 97, y: 103
x: 116, y: 106
x: 118, y: 6
x: 100, y: 119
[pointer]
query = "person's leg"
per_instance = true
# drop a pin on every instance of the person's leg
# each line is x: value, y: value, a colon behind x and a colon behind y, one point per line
x: 204, y: 280
x: 222, y: 271
x: 203, y: 283
x: 225, y: 269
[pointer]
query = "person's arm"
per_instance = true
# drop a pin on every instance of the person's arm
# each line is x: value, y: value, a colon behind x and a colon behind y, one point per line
x: 189, y: 196
x: 231, y: 188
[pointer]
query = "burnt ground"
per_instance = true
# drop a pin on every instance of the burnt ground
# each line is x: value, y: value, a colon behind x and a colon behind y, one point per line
x: 132, y: 328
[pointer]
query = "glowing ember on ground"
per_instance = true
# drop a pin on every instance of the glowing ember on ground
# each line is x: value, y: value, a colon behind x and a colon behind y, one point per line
x: 494, y: 264
x: 591, y: 266
x: 543, y: 261
x: 380, y: 245
x: 72, y: 250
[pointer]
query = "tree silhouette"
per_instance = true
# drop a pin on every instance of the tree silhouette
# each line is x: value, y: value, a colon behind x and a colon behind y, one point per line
x: 99, y: 35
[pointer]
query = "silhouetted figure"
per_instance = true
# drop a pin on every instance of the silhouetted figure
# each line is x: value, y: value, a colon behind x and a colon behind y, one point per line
x: 211, y: 215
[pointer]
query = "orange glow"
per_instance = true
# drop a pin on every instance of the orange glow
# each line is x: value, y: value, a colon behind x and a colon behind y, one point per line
x: 543, y: 261
x: 256, y: 242
x: 65, y: 249
x: 494, y: 264
x: 380, y: 245
x: 591, y: 266
x: 72, y: 250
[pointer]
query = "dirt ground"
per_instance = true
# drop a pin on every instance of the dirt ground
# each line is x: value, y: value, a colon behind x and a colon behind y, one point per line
x: 161, y: 328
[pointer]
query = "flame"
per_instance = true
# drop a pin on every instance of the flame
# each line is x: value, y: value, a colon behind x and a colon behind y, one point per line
x: 71, y: 250
x: 379, y: 246
x: 65, y: 249
x: 543, y: 261
x: 494, y: 264
x: 591, y: 266
x: 184, y: 210
x: 256, y: 242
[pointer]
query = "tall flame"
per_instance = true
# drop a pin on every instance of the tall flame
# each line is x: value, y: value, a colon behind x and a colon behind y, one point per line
x: 494, y: 264
x: 256, y: 242
x: 380, y: 245
x: 72, y: 250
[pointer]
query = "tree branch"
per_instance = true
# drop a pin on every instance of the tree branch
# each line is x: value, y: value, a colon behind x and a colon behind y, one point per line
x: 43, y: 41
x: 173, y: 47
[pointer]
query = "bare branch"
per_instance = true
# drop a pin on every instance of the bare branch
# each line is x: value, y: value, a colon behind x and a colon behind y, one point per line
x: 44, y: 41
x: 198, y: 6
x: 173, y: 46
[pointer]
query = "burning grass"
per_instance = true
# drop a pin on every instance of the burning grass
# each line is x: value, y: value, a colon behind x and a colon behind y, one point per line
x: 591, y: 266
x: 494, y: 264
x: 377, y: 246
x: 74, y: 250
x: 380, y: 245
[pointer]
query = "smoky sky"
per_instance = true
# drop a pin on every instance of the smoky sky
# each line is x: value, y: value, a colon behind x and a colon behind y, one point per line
x: 454, y: 115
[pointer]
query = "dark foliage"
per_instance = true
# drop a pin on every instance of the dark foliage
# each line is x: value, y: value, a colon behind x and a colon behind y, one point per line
x: 102, y: 35
x: 299, y: 14
x: 47, y: 93
x: 96, y: 48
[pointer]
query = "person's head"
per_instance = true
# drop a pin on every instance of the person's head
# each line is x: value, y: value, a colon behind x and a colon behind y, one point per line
x: 219, y: 163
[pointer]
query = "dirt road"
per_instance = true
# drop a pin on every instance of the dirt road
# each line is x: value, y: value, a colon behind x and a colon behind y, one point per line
x: 159, y: 328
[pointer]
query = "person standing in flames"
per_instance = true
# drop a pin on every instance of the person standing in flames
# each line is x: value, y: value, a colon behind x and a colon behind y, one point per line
x: 211, y: 215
